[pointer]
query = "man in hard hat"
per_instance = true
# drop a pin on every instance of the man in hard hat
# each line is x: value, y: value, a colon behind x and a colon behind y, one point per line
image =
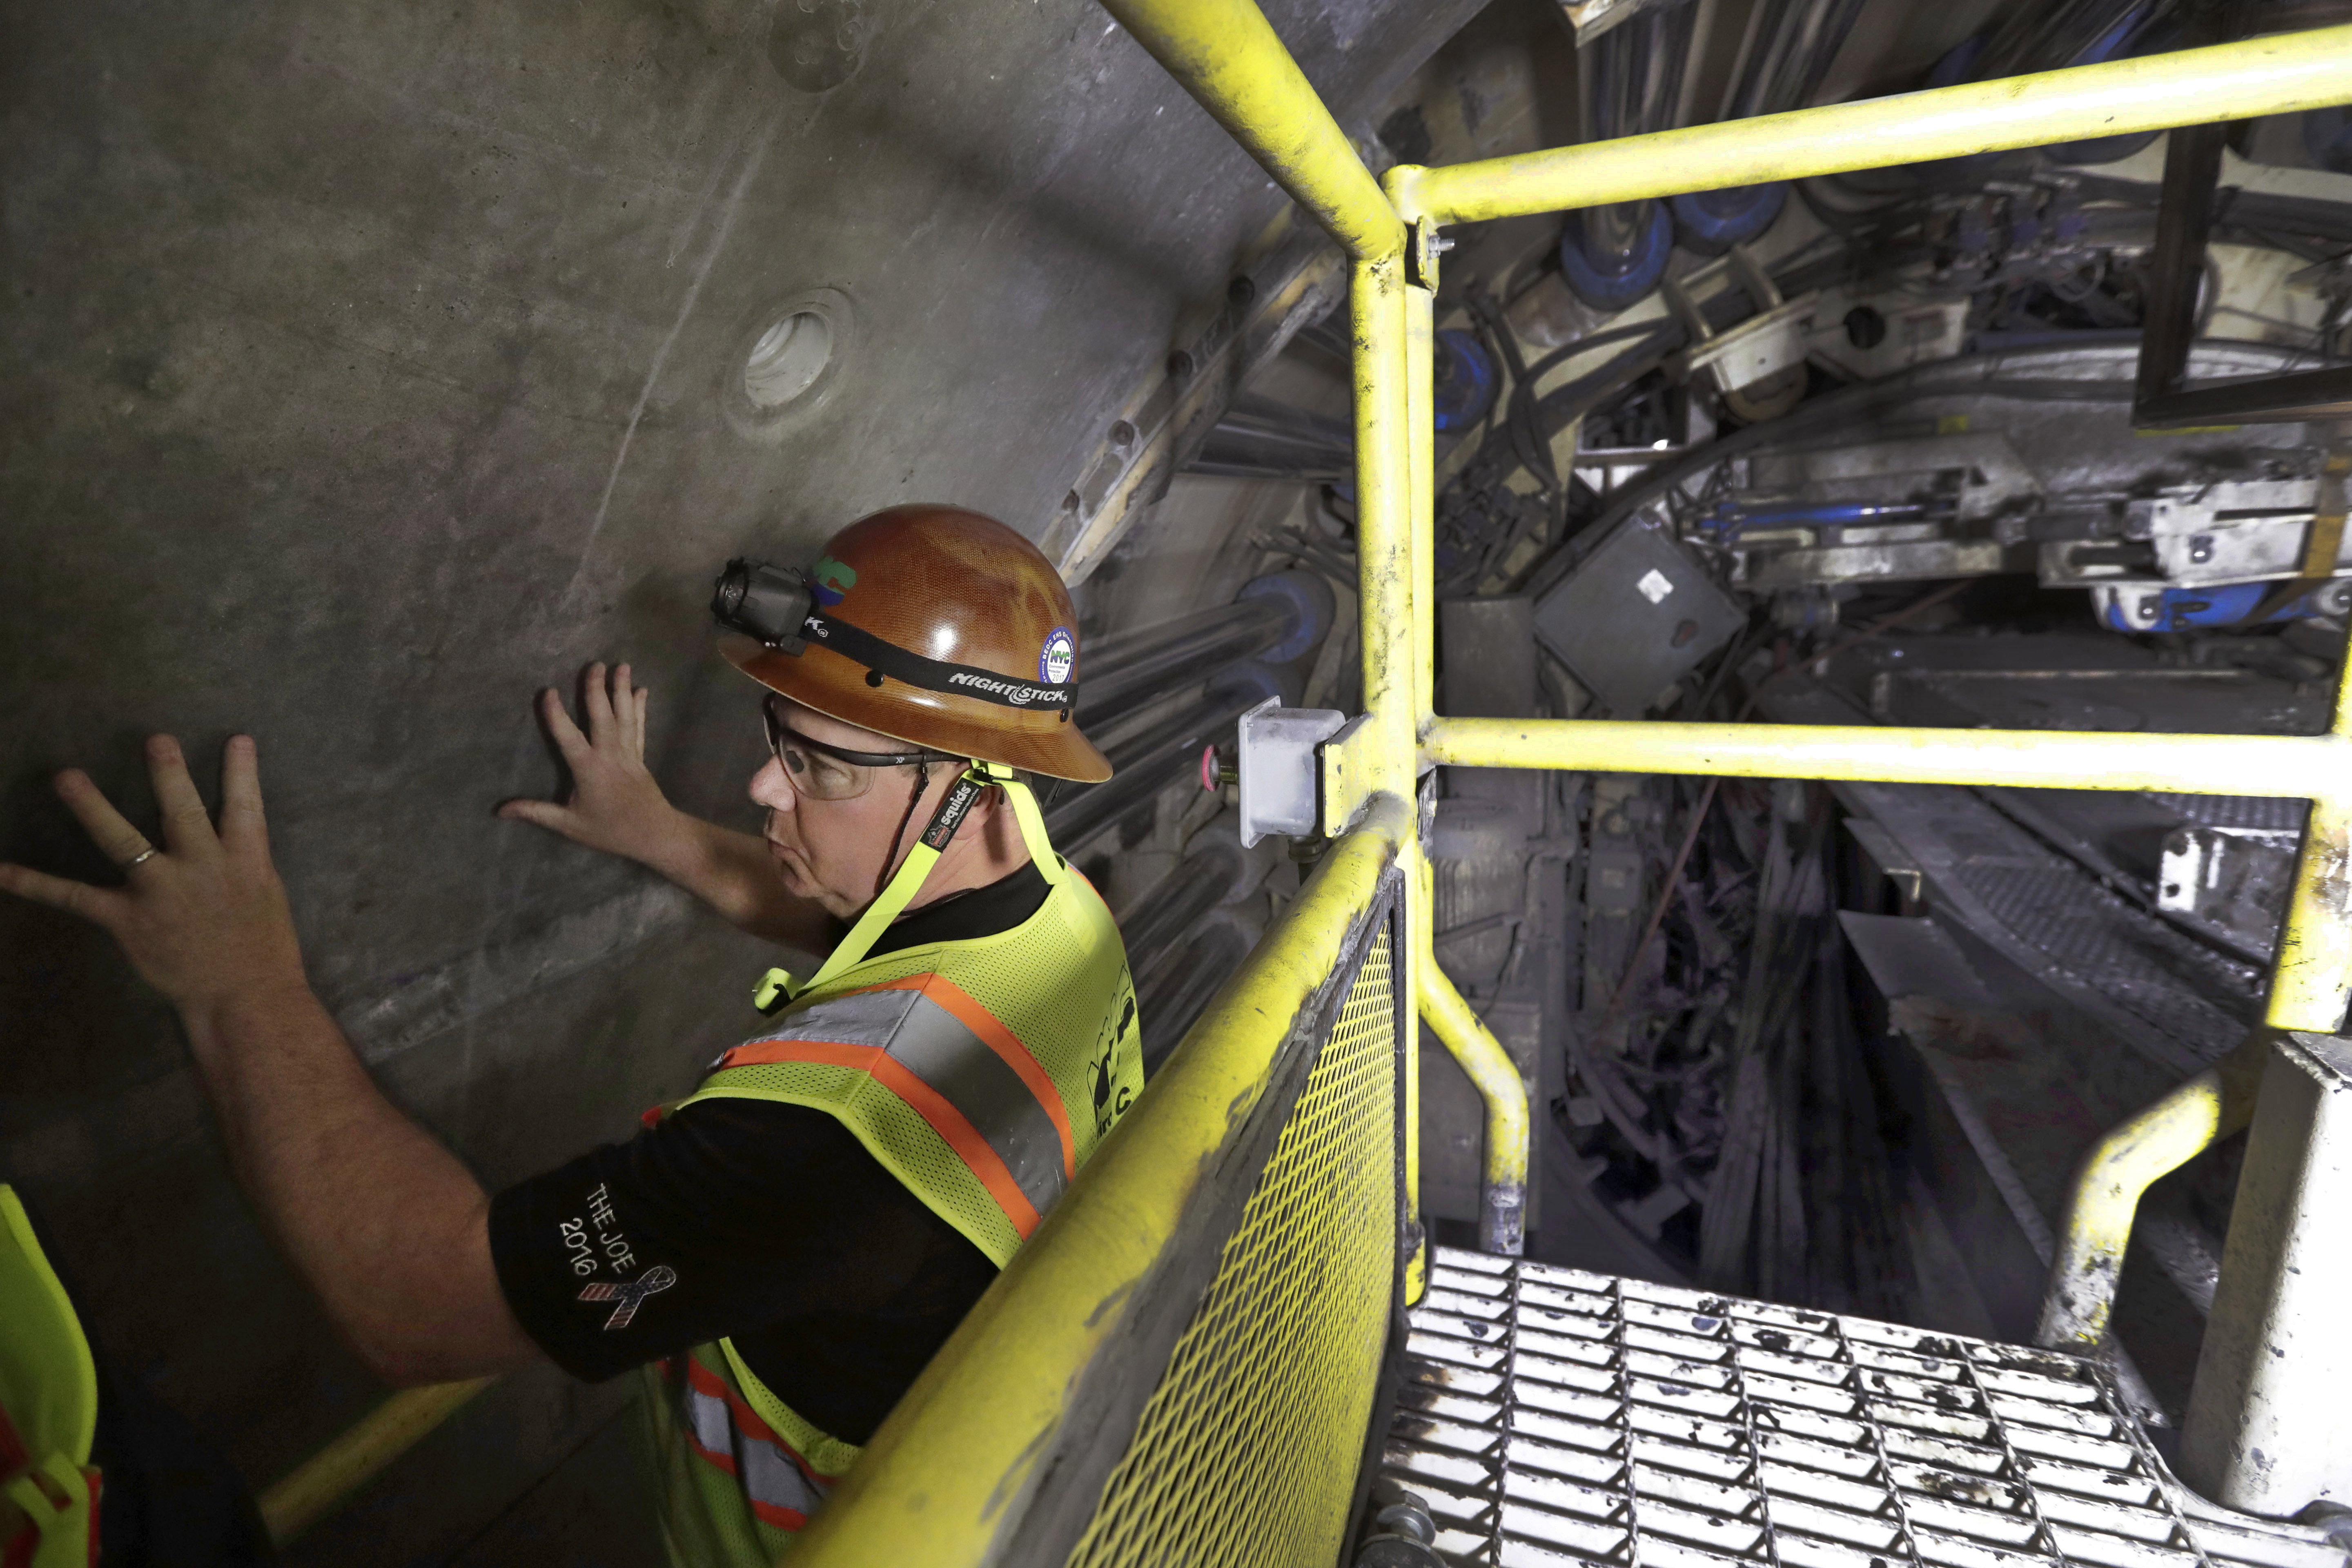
x: 784, y: 1248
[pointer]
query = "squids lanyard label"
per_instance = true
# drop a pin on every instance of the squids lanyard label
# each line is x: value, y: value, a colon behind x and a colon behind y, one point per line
x: 777, y: 987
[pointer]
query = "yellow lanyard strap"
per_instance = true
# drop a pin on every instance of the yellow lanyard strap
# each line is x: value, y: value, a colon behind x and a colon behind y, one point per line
x: 777, y: 987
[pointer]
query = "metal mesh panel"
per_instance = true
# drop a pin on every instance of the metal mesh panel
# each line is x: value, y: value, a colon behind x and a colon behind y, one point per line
x: 1559, y: 1419
x: 1246, y: 1452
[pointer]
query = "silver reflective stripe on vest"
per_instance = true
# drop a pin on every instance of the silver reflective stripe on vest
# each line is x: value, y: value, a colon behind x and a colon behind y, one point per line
x: 767, y: 1474
x: 934, y: 1045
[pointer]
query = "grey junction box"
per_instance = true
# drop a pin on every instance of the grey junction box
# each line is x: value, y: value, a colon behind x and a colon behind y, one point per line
x: 1634, y: 616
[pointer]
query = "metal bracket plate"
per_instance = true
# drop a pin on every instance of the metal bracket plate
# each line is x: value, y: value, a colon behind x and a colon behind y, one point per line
x: 1423, y: 245
x: 1275, y: 753
x: 1347, y: 766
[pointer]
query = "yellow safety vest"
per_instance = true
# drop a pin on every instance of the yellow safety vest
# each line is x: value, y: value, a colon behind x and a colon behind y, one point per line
x: 49, y: 1409
x: 981, y: 1073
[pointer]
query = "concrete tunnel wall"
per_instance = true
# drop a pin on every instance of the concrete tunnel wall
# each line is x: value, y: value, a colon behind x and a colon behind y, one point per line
x: 366, y: 371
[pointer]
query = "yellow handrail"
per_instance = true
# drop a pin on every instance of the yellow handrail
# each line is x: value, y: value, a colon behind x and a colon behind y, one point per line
x: 2029, y: 759
x: 2313, y: 978
x: 2280, y: 75
x: 1380, y: 762
x: 320, y: 1483
x: 947, y: 1468
x: 2116, y: 1174
x: 1503, y: 1192
x: 1227, y: 57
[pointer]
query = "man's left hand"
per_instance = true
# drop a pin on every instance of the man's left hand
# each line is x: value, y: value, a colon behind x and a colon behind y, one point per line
x: 204, y: 919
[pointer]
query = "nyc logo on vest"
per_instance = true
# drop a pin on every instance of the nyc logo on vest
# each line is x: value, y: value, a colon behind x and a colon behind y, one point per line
x: 1110, y: 1106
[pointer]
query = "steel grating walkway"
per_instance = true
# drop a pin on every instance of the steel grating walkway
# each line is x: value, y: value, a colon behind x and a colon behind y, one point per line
x: 1554, y: 1416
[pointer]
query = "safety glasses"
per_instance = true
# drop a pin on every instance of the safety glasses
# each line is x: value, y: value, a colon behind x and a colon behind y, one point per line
x: 821, y: 771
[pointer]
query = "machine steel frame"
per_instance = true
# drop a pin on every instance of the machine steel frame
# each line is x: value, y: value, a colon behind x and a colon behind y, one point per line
x: 1226, y: 55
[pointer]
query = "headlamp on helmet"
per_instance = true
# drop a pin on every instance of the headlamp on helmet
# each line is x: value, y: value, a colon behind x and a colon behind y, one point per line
x: 770, y: 603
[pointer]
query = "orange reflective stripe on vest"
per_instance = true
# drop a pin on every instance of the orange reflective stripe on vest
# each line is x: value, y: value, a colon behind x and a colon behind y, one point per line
x: 726, y: 1432
x: 980, y: 1073
x: 929, y: 1043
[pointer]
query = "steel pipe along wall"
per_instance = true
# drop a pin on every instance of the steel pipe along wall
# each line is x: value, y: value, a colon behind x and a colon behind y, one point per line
x: 1167, y: 751
x: 1171, y: 996
x: 1282, y: 618
x: 1165, y: 911
x: 1142, y: 664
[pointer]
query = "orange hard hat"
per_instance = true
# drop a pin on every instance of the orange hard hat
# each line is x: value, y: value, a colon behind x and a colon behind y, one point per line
x: 929, y: 623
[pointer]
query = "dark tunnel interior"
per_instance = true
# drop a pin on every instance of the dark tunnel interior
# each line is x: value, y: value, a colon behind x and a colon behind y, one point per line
x: 374, y: 370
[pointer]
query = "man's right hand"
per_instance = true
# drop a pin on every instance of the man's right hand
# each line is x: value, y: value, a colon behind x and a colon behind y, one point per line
x: 615, y: 804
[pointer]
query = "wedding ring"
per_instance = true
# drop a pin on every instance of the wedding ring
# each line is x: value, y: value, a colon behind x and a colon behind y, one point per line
x: 144, y: 854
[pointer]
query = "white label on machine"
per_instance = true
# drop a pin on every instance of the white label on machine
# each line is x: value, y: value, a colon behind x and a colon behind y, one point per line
x: 1654, y: 586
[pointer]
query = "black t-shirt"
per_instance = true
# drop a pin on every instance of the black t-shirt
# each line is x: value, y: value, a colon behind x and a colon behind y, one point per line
x: 764, y: 1222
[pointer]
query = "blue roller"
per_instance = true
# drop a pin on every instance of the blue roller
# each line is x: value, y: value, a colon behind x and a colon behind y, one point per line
x: 1708, y: 223
x: 1253, y: 681
x: 2230, y: 605
x: 1466, y: 382
x: 2327, y: 138
x: 1611, y: 284
x: 2128, y: 38
x: 1308, y: 598
x: 1959, y: 64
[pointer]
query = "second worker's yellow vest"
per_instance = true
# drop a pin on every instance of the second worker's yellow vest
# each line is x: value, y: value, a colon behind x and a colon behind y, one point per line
x: 981, y: 1073
x: 49, y: 1409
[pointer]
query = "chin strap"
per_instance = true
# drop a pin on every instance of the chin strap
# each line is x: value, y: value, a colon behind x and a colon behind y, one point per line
x: 777, y: 987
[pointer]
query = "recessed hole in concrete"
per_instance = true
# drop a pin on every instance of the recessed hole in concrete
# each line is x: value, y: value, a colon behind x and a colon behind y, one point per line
x: 787, y: 360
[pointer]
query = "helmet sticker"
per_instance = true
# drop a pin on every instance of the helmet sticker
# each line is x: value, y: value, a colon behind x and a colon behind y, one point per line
x: 832, y: 580
x: 1060, y: 655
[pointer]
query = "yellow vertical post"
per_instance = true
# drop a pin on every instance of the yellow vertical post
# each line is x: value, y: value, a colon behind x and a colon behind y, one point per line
x: 2116, y: 1174
x: 2309, y: 987
x: 1503, y: 1177
x: 1384, y: 559
x: 2313, y: 979
x: 1384, y: 552
x: 1420, y: 459
x: 1419, y: 310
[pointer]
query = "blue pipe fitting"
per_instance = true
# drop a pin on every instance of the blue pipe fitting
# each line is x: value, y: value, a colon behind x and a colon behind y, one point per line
x: 1309, y: 600
x: 1255, y: 680
x: 2229, y: 604
x: 1466, y: 382
x: 1708, y: 223
x: 2129, y: 38
x: 1612, y: 287
x: 2327, y: 138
